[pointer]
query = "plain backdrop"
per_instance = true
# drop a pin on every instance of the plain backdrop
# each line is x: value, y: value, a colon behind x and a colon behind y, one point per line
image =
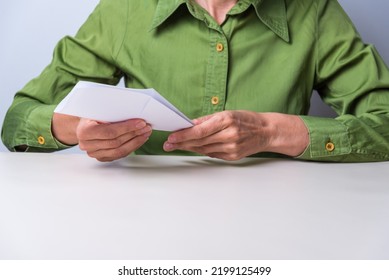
x: 29, y: 30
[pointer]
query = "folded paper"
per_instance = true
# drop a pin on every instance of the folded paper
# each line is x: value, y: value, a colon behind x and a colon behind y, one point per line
x: 114, y: 104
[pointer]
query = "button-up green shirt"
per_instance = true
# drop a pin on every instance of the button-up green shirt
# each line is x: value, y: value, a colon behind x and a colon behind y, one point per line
x: 267, y: 56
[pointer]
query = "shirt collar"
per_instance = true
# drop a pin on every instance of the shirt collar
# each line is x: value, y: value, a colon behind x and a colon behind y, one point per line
x: 165, y: 8
x: 271, y: 12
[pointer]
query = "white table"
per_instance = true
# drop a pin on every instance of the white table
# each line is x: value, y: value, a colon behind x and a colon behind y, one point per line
x: 68, y: 206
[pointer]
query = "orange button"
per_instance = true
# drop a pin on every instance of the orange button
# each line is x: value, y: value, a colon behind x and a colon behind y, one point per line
x: 41, y: 140
x: 219, y: 47
x: 330, y: 147
x: 215, y: 100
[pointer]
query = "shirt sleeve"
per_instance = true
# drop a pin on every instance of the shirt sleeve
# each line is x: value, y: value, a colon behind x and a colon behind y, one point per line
x: 89, y: 55
x: 353, y: 79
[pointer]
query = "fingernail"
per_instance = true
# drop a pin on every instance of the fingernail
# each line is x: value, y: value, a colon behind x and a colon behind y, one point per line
x: 140, y: 125
x: 146, y: 129
x: 167, y: 146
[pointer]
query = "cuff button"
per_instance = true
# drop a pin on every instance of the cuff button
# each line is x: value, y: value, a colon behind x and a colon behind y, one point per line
x: 330, y: 147
x: 41, y: 140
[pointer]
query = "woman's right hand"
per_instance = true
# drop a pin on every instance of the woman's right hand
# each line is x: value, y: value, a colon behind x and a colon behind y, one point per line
x: 102, y: 141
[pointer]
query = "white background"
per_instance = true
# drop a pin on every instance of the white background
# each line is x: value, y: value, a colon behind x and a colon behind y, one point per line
x: 29, y: 30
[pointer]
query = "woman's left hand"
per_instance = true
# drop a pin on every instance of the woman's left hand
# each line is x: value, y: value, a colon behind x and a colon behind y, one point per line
x: 232, y: 135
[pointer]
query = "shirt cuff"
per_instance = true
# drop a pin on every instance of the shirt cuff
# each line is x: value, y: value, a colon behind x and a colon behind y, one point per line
x: 39, y: 130
x: 328, y: 138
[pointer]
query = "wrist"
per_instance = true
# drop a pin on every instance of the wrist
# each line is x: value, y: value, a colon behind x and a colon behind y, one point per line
x: 63, y: 128
x: 287, y: 134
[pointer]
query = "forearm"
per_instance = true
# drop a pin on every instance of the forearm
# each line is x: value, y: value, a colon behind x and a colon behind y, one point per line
x: 286, y: 134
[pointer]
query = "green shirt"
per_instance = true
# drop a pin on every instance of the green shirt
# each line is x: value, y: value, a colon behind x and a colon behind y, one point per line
x: 267, y: 56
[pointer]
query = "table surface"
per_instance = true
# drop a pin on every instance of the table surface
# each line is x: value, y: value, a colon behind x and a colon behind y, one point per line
x: 69, y: 206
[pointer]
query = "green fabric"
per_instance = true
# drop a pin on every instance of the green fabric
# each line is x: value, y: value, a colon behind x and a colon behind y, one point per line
x: 275, y: 53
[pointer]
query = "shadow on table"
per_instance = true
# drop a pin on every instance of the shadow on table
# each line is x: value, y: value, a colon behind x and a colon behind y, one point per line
x: 183, y: 162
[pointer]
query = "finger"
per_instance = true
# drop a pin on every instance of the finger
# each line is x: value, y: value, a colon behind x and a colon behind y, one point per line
x: 207, y: 126
x: 205, y: 150
x: 95, y: 145
x: 90, y: 129
x: 219, y: 150
x: 202, y: 119
x: 229, y: 135
x: 217, y: 147
x: 216, y: 138
x: 119, y: 152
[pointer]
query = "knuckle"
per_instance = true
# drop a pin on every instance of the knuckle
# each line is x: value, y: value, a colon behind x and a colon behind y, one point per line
x: 232, y: 135
x: 233, y: 147
x: 229, y: 121
x: 233, y: 157
x: 82, y: 146
x: 84, y: 130
x: 235, y: 126
x: 229, y: 114
x: 81, y: 134
x: 234, y: 151
x: 229, y: 117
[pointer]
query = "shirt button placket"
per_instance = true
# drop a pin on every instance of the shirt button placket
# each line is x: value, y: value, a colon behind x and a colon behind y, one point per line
x: 218, y: 75
x: 219, y: 48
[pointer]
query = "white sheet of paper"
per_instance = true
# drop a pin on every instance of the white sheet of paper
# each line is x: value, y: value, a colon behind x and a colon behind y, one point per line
x: 113, y: 104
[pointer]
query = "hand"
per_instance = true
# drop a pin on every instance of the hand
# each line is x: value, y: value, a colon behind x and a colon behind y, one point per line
x: 111, y: 141
x: 232, y: 135
x: 102, y: 141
